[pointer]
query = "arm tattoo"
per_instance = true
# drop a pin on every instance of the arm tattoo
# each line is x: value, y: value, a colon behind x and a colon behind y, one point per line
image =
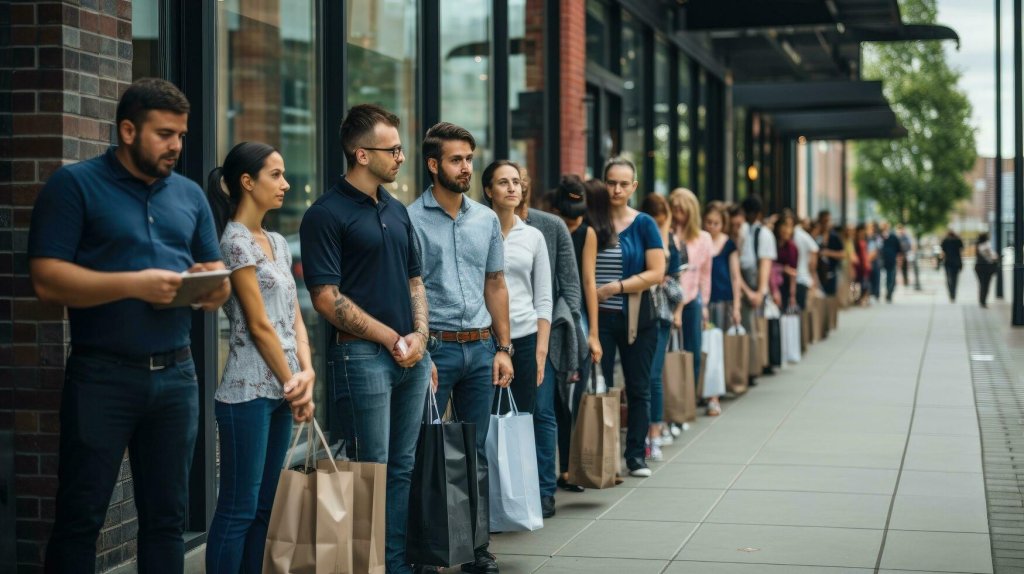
x: 420, y: 313
x: 345, y: 314
x: 495, y: 275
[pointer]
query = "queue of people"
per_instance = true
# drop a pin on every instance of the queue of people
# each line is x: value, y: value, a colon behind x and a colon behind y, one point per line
x: 448, y: 296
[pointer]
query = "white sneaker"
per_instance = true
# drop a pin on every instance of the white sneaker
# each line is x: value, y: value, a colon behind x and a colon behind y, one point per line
x: 666, y: 437
x: 656, y: 454
x: 675, y: 430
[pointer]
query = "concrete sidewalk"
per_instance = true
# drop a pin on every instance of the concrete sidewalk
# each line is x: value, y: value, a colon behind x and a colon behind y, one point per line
x: 865, y: 457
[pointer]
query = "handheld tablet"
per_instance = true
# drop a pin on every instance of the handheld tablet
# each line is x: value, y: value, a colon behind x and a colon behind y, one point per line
x: 194, y: 286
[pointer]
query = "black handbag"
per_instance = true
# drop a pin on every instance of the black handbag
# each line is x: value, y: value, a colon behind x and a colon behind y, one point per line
x: 774, y: 342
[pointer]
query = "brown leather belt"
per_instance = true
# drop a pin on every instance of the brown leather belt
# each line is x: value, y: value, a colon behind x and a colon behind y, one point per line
x: 462, y: 336
x: 342, y: 337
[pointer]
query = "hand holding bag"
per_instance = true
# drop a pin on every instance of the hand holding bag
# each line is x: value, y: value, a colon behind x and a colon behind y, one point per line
x: 678, y: 383
x: 594, y: 445
x: 736, y: 357
x: 512, y: 470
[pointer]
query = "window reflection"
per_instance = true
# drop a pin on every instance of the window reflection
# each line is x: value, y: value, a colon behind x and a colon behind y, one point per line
x: 662, y: 128
x: 683, y: 107
x: 145, y: 39
x: 466, y: 75
x: 381, y: 69
x: 266, y: 91
x: 702, y: 137
x: 597, y: 33
x: 631, y: 64
x: 526, y: 87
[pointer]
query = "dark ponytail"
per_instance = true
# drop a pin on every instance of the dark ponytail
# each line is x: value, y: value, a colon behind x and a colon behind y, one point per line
x: 244, y: 158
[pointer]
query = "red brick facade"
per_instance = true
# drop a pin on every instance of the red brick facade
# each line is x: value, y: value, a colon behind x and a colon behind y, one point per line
x: 572, y: 81
x: 66, y: 65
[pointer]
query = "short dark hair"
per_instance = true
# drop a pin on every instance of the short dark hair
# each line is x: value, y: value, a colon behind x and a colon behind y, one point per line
x: 752, y: 206
x: 823, y: 214
x: 487, y: 179
x: 360, y: 122
x: 444, y: 132
x: 147, y: 94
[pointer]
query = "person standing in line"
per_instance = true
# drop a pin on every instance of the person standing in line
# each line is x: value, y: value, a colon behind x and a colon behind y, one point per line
x: 569, y: 202
x: 109, y: 238
x: 986, y: 265
x: 830, y: 254
x: 364, y: 276
x: 907, y: 248
x: 757, y: 254
x: 463, y: 256
x: 528, y: 279
x: 658, y: 208
x: 630, y: 259
x: 952, y: 249
x: 268, y: 377
x: 785, y: 266
x: 724, y: 302
x: 874, y: 244
x: 891, y: 251
x: 863, y: 263
x: 696, y: 278
x: 806, y: 266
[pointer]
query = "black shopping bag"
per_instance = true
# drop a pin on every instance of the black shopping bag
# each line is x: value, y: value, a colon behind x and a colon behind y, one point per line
x: 441, y: 509
x: 479, y: 489
x: 774, y: 343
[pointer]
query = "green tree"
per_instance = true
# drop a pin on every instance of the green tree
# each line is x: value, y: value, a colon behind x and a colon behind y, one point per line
x: 917, y: 180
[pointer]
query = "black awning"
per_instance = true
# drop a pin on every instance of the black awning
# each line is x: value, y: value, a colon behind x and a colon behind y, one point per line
x: 875, y: 122
x: 805, y: 95
x: 905, y: 33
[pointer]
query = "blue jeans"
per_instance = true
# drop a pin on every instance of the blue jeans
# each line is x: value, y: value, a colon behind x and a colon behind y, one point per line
x: 254, y: 438
x: 381, y: 407
x: 106, y: 407
x: 636, y: 367
x: 524, y: 385
x: 546, y: 430
x: 465, y: 374
x: 693, y: 330
x: 657, y: 366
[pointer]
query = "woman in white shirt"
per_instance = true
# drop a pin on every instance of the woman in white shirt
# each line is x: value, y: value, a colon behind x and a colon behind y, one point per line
x: 528, y: 279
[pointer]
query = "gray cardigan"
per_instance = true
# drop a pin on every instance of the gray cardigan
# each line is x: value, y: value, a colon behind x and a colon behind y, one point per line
x: 564, y: 349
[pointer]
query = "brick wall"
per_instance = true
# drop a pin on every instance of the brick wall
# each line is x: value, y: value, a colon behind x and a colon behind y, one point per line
x: 572, y: 77
x: 63, y: 68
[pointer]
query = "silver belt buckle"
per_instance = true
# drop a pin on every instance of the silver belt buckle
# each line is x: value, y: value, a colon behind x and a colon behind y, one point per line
x: 153, y: 367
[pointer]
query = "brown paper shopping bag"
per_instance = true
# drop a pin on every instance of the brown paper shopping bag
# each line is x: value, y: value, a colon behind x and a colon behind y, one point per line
x: 678, y: 383
x: 594, y: 447
x: 762, y: 343
x: 832, y: 308
x: 369, y: 493
x: 310, y: 529
x: 736, y: 355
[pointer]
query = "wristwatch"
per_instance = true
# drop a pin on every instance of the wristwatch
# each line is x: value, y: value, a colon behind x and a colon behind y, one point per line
x: 510, y: 349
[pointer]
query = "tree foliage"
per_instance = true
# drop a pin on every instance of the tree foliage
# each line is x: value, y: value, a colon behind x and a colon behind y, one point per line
x: 917, y: 180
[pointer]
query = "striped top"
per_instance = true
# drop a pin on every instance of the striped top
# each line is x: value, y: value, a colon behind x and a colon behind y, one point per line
x: 609, y: 270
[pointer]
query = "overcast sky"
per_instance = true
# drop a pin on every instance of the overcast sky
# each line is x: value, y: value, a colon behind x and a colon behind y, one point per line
x: 974, y: 21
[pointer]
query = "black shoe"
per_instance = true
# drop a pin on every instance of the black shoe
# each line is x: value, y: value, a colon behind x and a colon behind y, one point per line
x: 638, y: 468
x: 702, y: 402
x: 752, y: 381
x: 483, y: 564
x: 568, y: 486
x: 547, y: 506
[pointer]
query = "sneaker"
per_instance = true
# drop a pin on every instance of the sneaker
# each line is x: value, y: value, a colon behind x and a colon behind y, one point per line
x: 638, y: 468
x: 674, y: 430
x: 547, y: 506
x: 666, y: 438
x: 714, y: 409
x: 483, y: 563
x: 656, y: 454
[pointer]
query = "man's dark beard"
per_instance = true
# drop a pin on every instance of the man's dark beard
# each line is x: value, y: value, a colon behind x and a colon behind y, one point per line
x: 453, y: 184
x: 150, y: 168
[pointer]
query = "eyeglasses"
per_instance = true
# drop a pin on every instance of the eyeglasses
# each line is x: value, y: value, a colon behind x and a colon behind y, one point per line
x: 395, y: 152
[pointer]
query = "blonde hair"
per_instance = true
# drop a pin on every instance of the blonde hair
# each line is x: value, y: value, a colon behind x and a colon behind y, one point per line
x: 685, y: 200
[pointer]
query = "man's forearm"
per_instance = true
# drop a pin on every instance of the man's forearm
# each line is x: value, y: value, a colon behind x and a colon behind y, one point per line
x: 65, y: 283
x: 345, y: 315
x: 496, y: 299
x: 420, y: 309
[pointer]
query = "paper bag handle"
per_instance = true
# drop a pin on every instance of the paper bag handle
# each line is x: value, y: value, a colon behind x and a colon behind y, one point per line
x: 311, y: 447
x: 513, y: 409
x: 432, y: 408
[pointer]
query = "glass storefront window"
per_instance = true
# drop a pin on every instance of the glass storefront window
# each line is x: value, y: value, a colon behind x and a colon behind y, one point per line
x: 597, y: 33
x: 683, y: 110
x: 662, y: 127
x: 381, y: 69
x: 145, y: 39
x: 740, y: 150
x: 702, y: 137
x: 466, y: 75
x: 631, y: 64
x: 266, y: 91
x: 526, y: 88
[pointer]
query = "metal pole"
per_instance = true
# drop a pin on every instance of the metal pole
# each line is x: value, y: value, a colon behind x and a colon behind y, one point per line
x: 1018, y: 172
x: 997, y: 235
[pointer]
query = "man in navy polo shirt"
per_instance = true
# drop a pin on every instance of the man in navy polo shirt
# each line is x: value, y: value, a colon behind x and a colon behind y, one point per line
x: 109, y: 239
x: 363, y: 275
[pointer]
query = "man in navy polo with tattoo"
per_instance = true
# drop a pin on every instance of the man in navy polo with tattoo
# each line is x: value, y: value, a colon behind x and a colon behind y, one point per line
x: 363, y: 275
x: 109, y: 238
x: 463, y: 255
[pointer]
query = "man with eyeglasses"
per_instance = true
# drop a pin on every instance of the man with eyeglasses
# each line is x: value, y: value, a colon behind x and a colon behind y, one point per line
x: 363, y: 275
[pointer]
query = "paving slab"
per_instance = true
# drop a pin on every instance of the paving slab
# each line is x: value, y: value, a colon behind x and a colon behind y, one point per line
x: 817, y: 479
x: 643, y: 540
x: 783, y: 545
x: 802, y: 509
x: 937, y: 551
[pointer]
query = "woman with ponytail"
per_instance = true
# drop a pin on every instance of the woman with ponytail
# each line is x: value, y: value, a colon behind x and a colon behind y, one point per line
x: 268, y: 377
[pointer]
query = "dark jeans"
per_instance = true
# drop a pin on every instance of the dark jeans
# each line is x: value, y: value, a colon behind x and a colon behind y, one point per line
x: 657, y: 367
x: 952, y: 277
x: 524, y: 383
x: 554, y: 420
x: 985, y: 274
x: 381, y: 407
x: 465, y: 374
x: 801, y: 296
x: 693, y: 330
x: 105, y: 408
x: 254, y: 439
x: 876, y: 279
x: 890, y: 279
x: 636, y: 366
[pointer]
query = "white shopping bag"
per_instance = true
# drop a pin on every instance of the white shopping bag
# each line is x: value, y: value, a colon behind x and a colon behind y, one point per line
x: 512, y: 469
x: 714, y: 362
x: 790, y: 326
